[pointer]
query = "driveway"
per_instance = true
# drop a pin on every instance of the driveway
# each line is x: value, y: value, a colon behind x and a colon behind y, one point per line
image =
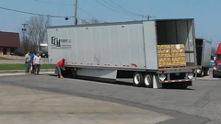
x: 197, y: 105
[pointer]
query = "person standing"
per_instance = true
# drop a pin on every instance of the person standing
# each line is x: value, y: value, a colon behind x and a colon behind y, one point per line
x: 59, y: 66
x: 37, y: 61
x: 27, y: 63
x: 32, y: 64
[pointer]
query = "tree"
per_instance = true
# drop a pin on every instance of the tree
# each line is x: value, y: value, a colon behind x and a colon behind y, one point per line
x: 36, y: 31
x: 91, y: 21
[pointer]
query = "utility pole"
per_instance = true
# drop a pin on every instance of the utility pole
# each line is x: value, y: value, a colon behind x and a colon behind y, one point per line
x: 24, y: 30
x: 148, y: 17
x: 75, y: 15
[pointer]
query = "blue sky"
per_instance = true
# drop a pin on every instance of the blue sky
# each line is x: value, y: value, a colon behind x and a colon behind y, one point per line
x: 205, y: 12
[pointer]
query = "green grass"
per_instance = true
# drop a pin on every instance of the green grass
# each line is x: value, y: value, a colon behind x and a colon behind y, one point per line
x: 2, y: 58
x: 22, y: 66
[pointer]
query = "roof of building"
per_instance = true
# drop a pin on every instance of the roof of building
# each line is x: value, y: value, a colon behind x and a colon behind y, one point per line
x: 9, y: 39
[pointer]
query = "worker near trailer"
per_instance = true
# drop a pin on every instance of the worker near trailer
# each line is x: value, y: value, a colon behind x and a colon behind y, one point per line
x: 59, y: 66
x: 32, y: 64
x: 27, y: 63
x: 37, y: 61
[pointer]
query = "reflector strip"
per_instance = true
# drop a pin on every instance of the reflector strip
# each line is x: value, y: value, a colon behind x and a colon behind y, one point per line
x: 175, y: 81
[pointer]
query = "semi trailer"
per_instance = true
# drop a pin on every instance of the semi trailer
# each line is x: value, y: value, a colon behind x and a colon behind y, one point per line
x: 124, y: 50
x: 203, y: 53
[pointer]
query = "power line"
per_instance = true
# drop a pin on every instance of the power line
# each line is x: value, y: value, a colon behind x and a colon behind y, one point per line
x: 65, y: 5
x: 29, y: 13
x: 54, y: 3
x: 124, y: 8
x: 110, y: 8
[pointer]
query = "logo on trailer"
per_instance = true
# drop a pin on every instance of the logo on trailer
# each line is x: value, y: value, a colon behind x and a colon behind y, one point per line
x: 60, y: 43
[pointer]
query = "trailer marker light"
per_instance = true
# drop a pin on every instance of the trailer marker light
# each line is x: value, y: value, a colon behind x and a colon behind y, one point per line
x: 135, y: 65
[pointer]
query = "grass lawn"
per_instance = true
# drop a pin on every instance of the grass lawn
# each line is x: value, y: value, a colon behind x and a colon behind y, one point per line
x: 2, y: 58
x: 22, y: 66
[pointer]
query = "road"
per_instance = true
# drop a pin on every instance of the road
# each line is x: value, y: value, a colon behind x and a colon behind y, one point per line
x: 44, y: 60
x: 197, y: 105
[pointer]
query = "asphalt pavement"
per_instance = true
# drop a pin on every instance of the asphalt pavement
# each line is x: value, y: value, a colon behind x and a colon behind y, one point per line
x: 197, y: 105
x: 19, y: 105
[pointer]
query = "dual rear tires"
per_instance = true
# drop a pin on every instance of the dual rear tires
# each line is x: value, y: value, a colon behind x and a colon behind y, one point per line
x: 204, y: 72
x: 140, y: 79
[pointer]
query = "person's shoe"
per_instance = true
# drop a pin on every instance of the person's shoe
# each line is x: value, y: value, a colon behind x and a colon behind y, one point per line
x: 58, y: 77
x: 61, y: 77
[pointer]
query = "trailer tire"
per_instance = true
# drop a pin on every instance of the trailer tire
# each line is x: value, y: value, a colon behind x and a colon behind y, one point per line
x: 202, y: 72
x: 138, y: 79
x: 206, y: 72
x: 148, y: 80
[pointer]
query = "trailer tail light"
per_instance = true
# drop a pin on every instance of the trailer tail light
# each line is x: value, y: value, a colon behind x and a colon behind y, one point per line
x: 162, y: 72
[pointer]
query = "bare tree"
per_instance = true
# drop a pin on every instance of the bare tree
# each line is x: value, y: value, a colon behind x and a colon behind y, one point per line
x: 91, y: 21
x: 94, y: 21
x: 37, y: 30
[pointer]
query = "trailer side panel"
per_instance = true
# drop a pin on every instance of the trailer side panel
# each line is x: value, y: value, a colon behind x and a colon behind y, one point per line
x: 118, y: 46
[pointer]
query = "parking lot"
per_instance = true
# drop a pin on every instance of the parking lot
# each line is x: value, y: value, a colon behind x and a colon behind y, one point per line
x: 198, y: 104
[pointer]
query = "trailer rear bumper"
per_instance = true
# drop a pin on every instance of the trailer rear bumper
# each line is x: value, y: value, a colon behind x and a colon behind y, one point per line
x: 173, y: 81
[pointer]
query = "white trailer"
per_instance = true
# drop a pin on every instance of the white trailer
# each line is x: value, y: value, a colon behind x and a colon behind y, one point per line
x: 124, y: 50
x: 203, y: 53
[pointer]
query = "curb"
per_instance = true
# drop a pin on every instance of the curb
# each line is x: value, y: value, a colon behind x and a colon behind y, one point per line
x: 22, y: 71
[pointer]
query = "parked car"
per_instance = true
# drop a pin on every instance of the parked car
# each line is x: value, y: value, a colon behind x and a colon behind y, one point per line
x: 16, y: 53
x: 44, y: 55
x: 212, y: 63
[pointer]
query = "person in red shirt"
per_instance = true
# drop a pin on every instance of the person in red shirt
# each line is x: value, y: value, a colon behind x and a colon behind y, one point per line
x: 59, y: 66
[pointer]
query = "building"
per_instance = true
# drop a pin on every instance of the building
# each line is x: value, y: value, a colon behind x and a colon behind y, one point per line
x: 44, y: 47
x: 9, y: 42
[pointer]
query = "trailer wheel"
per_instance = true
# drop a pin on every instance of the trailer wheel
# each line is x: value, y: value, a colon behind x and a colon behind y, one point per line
x: 148, y: 80
x: 206, y: 72
x: 202, y: 72
x: 138, y: 79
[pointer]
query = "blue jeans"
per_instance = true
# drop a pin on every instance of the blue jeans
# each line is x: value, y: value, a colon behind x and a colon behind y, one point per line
x: 27, y: 67
x: 59, y: 70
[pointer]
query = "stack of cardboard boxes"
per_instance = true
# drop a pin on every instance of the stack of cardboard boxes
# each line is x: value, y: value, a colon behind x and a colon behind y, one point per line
x: 171, y: 55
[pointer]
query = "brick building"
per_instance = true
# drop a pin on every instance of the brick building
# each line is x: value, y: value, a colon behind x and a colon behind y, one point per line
x: 9, y: 42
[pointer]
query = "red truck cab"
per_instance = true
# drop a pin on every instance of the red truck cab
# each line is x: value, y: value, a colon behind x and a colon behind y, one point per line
x: 217, y: 66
